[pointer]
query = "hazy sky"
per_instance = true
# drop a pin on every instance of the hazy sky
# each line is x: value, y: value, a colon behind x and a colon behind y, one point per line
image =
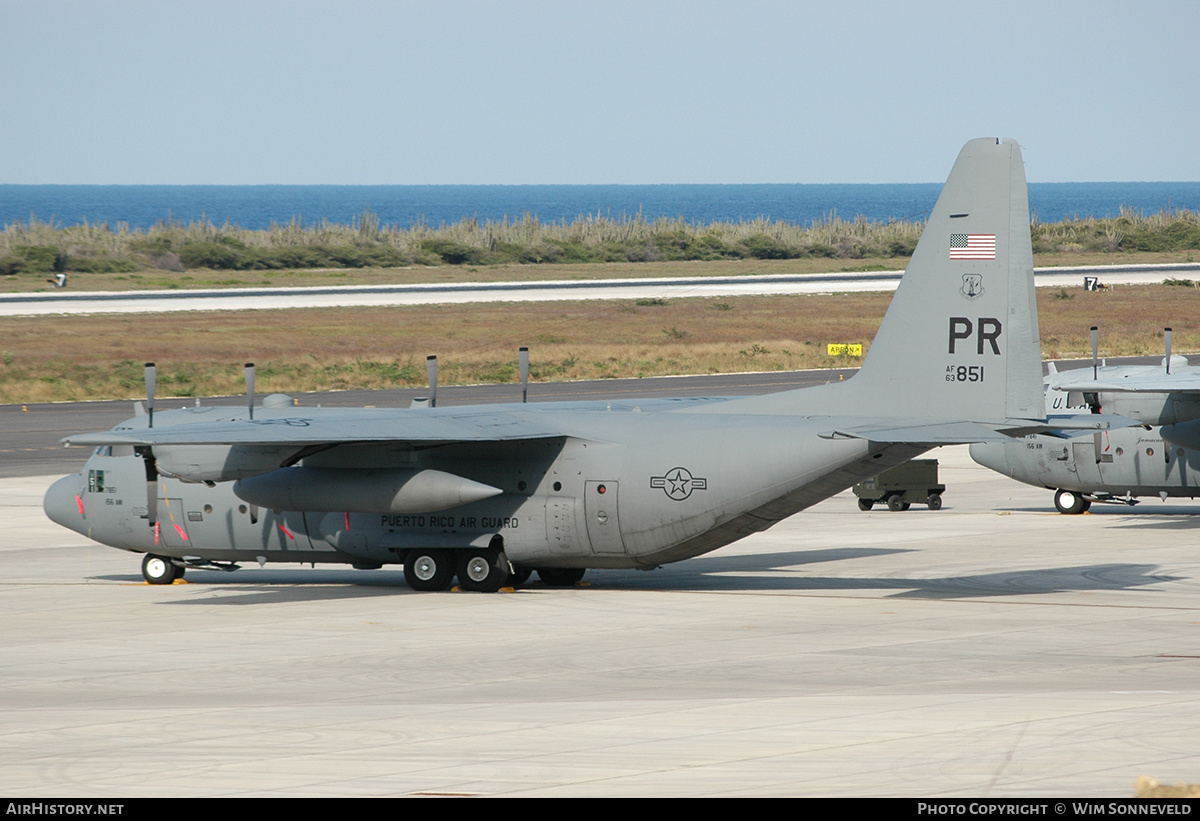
x: 466, y: 91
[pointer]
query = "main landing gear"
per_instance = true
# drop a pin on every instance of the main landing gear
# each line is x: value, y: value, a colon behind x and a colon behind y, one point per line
x: 483, y: 570
x: 158, y: 570
x: 479, y: 569
x: 429, y: 570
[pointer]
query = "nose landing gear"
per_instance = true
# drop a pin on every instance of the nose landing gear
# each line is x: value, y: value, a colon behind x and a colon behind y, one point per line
x: 160, y: 570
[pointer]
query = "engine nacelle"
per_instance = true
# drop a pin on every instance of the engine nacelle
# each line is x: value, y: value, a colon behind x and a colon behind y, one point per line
x: 220, y: 463
x: 1152, y: 408
x: 361, y: 491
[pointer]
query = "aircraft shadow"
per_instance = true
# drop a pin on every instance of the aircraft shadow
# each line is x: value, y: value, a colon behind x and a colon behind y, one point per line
x: 279, y: 586
x: 1090, y: 578
x: 274, y: 585
x: 771, y: 573
x: 1148, y: 507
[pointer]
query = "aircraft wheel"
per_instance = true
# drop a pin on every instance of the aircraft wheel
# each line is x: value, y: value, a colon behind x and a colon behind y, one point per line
x: 1070, y: 502
x: 866, y: 504
x: 520, y: 576
x: 428, y: 570
x: 482, y: 570
x: 935, y: 501
x: 157, y: 570
x: 896, y: 503
x: 560, y: 576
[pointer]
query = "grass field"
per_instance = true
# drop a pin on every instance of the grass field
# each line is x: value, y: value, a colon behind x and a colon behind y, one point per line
x: 201, y: 354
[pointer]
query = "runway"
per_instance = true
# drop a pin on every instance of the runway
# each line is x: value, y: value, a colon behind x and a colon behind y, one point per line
x: 237, y: 299
x: 992, y: 648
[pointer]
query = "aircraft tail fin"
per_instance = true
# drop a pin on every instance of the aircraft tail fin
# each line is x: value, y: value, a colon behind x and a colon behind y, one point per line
x: 960, y: 339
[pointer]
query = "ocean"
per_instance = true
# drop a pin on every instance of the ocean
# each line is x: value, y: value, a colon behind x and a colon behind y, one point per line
x: 260, y: 206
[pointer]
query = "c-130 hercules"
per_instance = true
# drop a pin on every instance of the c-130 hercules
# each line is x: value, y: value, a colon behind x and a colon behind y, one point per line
x: 1160, y: 457
x: 491, y: 493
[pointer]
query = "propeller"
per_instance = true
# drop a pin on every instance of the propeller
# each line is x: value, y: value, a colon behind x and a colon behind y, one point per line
x: 431, y: 367
x: 147, y: 453
x: 1090, y: 398
x: 151, y: 383
x: 250, y: 386
x: 1095, y: 352
x: 524, y: 374
x: 250, y: 400
x: 151, y: 464
x: 1167, y: 345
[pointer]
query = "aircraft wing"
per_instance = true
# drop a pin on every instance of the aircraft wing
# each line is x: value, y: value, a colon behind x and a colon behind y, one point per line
x: 342, y: 427
x: 1160, y: 382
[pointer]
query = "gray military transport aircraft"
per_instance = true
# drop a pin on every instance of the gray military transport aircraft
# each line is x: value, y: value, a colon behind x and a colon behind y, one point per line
x: 493, y: 493
x: 1159, y: 458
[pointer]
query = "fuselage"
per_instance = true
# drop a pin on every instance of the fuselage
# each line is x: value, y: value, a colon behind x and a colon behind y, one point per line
x: 631, y: 485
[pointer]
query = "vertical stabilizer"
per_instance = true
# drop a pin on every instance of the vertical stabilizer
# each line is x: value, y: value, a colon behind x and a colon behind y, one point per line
x: 960, y: 339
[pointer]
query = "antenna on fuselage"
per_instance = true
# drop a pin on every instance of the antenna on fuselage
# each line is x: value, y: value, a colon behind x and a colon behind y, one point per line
x: 250, y: 387
x: 431, y: 367
x: 1167, y: 345
x: 151, y: 383
x: 1095, y: 352
x: 524, y: 356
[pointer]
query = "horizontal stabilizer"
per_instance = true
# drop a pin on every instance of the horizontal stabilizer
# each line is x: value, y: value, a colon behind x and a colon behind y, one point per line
x: 957, y: 432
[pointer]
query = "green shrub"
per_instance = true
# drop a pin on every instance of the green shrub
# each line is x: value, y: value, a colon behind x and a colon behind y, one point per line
x: 209, y: 255
x: 100, y: 265
x: 762, y: 246
x: 453, y: 252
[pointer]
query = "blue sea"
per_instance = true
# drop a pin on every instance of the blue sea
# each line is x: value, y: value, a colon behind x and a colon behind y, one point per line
x: 260, y: 206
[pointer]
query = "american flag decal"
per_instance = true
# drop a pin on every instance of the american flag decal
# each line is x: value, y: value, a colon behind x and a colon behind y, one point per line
x: 972, y: 246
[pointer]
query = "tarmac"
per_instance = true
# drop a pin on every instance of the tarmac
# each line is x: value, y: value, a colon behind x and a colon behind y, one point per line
x: 993, y: 648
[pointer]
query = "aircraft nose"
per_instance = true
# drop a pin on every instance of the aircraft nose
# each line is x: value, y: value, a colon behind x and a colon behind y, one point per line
x: 991, y: 455
x: 62, y: 502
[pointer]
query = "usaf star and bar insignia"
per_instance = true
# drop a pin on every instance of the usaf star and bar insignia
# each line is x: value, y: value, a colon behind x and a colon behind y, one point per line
x: 678, y: 483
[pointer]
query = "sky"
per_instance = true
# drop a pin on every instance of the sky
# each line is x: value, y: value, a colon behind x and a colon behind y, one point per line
x: 534, y: 92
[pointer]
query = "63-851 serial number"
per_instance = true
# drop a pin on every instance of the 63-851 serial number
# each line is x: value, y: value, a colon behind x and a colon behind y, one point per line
x: 964, y: 373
